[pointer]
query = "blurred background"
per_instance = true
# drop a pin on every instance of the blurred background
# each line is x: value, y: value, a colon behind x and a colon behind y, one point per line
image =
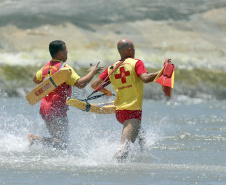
x: 190, y: 32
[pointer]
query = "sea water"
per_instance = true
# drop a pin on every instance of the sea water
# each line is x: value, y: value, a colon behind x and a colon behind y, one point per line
x: 185, y: 136
x: 185, y: 145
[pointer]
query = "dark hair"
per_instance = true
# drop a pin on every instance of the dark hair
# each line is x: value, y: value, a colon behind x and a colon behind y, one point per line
x: 55, y: 46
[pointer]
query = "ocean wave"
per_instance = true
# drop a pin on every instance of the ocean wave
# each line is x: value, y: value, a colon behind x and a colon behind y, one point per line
x: 192, y: 33
x: 196, y: 84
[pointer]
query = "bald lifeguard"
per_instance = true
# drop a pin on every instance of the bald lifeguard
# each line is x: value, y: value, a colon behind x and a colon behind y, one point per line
x: 126, y: 48
x: 127, y: 80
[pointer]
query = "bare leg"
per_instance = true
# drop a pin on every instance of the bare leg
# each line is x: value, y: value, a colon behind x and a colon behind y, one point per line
x: 129, y: 134
x: 142, y: 139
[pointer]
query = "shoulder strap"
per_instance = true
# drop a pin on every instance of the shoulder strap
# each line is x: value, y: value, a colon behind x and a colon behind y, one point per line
x: 62, y: 65
x: 102, y: 86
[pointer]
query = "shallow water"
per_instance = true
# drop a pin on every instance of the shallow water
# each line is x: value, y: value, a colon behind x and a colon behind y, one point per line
x: 185, y: 145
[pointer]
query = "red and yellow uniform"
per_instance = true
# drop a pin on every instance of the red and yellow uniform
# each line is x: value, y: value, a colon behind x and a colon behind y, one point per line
x: 54, y: 104
x: 129, y: 88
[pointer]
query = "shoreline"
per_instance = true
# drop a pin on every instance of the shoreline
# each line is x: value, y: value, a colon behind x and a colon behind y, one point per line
x: 195, y: 83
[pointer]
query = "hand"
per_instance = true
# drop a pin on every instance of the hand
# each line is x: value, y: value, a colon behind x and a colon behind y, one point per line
x: 107, y: 92
x: 170, y: 62
x: 96, y: 69
x: 167, y: 61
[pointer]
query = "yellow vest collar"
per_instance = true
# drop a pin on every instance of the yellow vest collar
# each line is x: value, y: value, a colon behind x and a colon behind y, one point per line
x: 57, y: 60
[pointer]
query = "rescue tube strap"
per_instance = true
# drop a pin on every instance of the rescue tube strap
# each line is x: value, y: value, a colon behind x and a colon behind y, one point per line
x: 94, y: 97
x: 50, y: 78
x: 102, y: 85
x: 87, y: 107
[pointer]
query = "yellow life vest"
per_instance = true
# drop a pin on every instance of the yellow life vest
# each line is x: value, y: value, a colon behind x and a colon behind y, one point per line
x: 128, y: 86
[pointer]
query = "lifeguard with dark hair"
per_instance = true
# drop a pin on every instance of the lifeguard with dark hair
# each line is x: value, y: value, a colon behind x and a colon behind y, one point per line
x: 55, y: 46
x: 53, y: 108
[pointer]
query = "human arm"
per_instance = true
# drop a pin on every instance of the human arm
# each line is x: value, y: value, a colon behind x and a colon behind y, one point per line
x: 143, y: 74
x: 97, y: 82
x: 148, y: 77
x: 37, y: 78
x: 83, y: 81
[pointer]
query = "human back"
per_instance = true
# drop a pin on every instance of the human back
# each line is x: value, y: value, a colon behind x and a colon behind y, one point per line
x: 54, y: 104
x: 127, y: 81
x: 128, y: 86
x: 53, y: 108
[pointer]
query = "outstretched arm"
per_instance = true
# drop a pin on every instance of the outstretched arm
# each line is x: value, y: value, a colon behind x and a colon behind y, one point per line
x: 82, y: 82
x: 148, y: 77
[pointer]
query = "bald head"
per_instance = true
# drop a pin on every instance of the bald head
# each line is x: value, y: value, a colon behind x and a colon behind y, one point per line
x: 125, y: 48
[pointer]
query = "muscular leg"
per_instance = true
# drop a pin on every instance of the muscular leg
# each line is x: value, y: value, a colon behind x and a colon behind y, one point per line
x: 142, y: 139
x: 130, y: 132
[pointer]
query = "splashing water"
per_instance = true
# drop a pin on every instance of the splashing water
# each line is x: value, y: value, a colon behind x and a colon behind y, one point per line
x: 177, y: 145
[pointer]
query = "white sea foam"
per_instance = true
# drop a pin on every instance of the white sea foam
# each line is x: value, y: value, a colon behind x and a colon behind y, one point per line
x: 20, y: 59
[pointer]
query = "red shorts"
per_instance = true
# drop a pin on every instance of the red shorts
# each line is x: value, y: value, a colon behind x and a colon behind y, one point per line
x: 123, y: 115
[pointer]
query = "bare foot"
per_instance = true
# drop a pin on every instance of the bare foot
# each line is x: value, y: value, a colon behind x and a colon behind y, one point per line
x: 29, y: 137
x: 57, y: 140
x: 32, y: 138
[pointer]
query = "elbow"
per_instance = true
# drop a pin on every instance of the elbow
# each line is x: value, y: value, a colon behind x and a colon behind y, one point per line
x: 81, y: 86
x: 145, y: 80
x: 148, y: 79
x: 144, y: 77
x: 35, y: 80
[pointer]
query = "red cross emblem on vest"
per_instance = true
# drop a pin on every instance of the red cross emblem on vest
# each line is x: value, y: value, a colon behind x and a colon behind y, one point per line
x: 123, y: 74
